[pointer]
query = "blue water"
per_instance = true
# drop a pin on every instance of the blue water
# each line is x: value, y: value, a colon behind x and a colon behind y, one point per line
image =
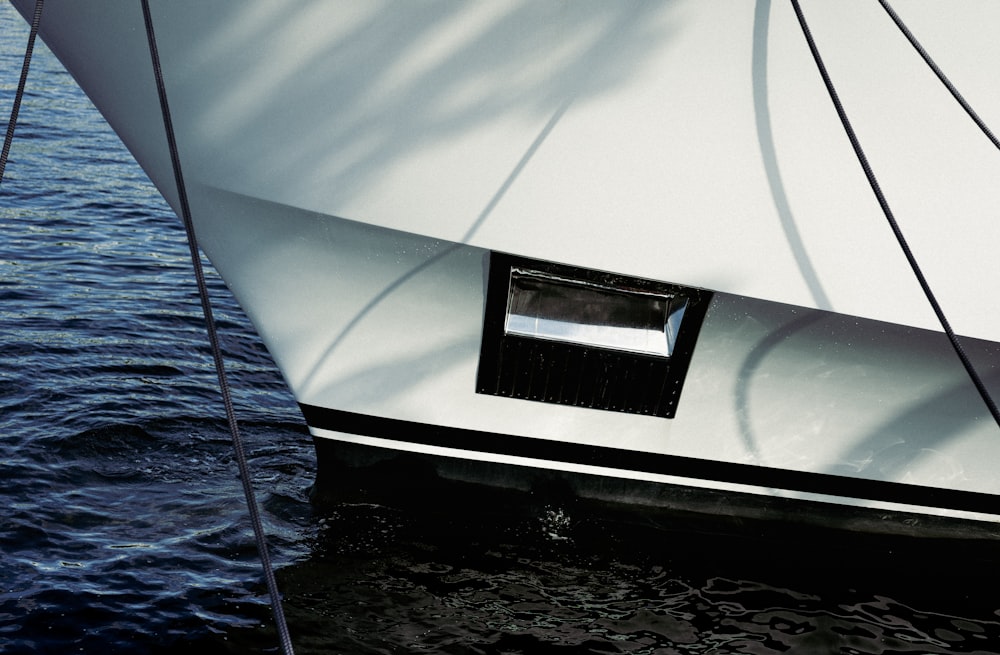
x: 124, y: 528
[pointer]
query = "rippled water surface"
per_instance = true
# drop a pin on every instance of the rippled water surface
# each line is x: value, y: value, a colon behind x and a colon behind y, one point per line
x: 124, y: 529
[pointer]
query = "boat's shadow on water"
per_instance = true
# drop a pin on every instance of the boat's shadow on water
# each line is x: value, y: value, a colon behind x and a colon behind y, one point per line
x: 455, y: 568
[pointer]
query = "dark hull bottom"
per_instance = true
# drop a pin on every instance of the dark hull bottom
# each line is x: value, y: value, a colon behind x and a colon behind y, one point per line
x: 349, y: 472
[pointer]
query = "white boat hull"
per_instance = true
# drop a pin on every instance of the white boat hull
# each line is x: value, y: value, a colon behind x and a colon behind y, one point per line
x: 354, y: 169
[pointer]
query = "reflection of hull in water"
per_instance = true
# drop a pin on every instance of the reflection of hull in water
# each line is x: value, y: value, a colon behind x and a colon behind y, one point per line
x: 355, y: 174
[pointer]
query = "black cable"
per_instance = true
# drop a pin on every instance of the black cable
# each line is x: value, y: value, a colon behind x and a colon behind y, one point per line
x: 258, y: 529
x: 9, y: 139
x: 940, y: 74
x: 884, y: 204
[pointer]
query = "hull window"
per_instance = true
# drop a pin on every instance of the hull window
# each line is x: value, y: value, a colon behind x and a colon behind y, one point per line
x: 572, y: 336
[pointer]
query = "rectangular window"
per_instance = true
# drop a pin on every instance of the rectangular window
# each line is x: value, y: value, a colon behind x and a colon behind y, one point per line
x: 574, y: 336
x: 544, y: 306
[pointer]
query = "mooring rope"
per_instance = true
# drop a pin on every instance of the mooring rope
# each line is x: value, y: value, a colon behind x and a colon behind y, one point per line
x: 940, y: 74
x: 36, y: 20
x: 206, y: 306
x: 887, y: 211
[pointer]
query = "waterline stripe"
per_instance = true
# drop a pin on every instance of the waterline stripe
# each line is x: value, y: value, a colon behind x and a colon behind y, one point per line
x: 556, y: 454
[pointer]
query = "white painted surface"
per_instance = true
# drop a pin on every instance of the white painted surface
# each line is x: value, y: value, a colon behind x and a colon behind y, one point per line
x: 350, y: 164
x: 686, y: 141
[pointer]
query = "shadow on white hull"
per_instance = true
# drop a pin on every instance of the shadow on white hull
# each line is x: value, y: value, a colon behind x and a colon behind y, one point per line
x: 626, y: 247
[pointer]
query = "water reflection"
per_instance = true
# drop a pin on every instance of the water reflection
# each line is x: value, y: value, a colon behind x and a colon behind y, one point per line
x: 399, y: 578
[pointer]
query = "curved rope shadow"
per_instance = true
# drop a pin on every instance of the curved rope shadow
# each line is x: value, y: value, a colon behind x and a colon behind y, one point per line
x: 768, y: 152
x: 753, y: 360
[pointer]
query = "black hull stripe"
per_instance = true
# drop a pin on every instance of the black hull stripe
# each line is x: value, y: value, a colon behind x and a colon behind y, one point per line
x: 630, y: 460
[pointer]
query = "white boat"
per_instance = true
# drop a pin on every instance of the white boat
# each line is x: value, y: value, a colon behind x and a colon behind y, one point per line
x: 625, y: 249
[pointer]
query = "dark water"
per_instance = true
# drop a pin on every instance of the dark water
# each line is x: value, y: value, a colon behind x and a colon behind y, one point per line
x: 123, y: 526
